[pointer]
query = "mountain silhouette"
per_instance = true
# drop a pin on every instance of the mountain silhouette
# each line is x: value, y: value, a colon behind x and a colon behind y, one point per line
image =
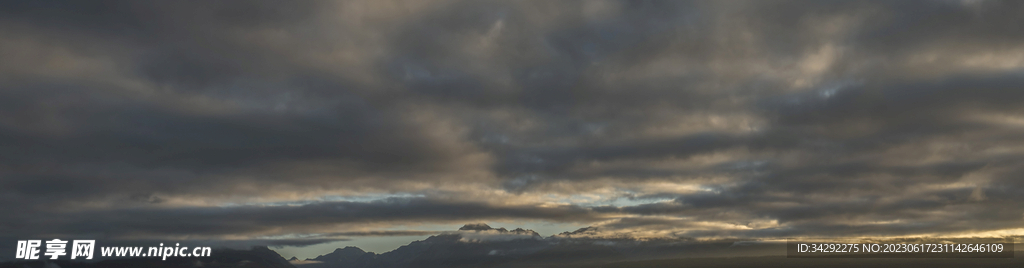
x: 257, y: 257
x: 480, y: 245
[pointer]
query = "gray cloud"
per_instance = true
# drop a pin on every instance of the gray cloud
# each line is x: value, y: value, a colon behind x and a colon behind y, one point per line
x: 128, y: 119
x: 279, y: 220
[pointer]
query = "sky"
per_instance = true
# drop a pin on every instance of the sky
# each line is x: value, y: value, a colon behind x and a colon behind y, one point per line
x: 376, y: 123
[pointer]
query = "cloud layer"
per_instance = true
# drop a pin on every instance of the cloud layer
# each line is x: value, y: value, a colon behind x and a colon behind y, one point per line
x: 762, y: 119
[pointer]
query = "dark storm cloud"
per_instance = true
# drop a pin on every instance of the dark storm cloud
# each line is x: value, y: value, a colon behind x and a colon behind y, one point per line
x: 554, y: 159
x: 125, y: 118
x: 74, y: 138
